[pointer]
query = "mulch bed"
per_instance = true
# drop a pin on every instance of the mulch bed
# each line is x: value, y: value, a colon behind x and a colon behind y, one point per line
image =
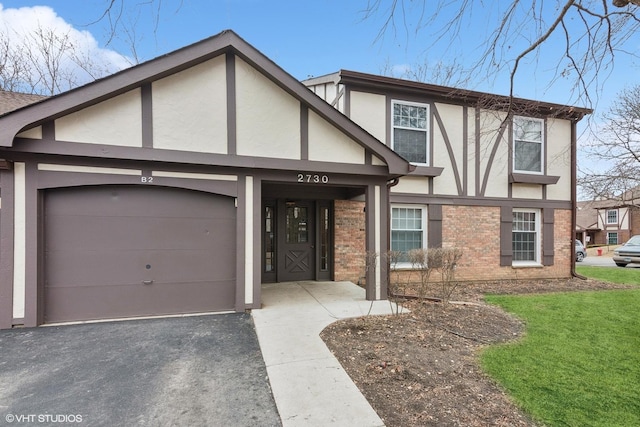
x: 420, y: 368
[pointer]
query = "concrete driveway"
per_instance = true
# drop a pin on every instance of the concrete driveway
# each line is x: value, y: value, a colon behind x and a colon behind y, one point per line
x: 196, y: 371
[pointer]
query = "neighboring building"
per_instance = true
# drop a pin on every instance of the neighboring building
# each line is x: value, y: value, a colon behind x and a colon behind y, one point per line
x: 11, y: 101
x: 610, y: 221
x: 184, y: 183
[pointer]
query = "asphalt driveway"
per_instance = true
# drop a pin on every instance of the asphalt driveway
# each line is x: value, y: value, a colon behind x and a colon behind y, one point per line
x: 202, y: 370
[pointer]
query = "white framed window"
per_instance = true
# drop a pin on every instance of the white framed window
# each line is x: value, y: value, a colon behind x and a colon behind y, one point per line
x: 408, y: 230
x: 525, y: 237
x: 612, y: 216
x: 612, y: 238
x: 528, y: 147
x: 410, y: 135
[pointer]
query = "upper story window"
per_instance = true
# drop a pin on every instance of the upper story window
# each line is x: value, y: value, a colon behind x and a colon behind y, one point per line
x: 411, y: 131
x: 527, y: 145
x: 612, y: 217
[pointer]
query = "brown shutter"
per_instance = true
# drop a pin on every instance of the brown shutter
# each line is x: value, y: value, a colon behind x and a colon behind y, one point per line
x: 547, y: 237
x: 506, y: 235
x: 434, y: 232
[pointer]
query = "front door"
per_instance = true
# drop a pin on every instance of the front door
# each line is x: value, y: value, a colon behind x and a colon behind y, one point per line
x: 296, y: 240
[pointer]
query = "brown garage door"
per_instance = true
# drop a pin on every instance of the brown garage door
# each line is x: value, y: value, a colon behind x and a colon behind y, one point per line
x: 118, y: 251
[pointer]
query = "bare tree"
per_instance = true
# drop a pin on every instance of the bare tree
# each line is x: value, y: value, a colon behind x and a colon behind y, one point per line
x: 590, y: 32
x: 616, y: 144
x: 46, y: 61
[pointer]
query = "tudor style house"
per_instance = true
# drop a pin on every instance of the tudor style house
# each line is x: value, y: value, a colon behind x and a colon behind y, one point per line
x: 497, y: 182
x: 182, y: 184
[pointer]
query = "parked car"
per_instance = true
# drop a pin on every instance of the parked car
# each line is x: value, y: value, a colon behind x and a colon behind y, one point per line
x: 581, y: 252
x: 628, y: 253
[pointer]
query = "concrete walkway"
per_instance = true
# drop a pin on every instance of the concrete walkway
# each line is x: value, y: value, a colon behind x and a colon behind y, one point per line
x: 309, y: 385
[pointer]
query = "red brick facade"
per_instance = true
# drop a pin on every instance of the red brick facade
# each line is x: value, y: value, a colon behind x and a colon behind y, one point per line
x: 350, y: 245
x: 476, y: 230
x: 473, y: 229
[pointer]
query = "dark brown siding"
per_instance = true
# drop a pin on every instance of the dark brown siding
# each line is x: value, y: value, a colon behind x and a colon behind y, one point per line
x: 116, y: 251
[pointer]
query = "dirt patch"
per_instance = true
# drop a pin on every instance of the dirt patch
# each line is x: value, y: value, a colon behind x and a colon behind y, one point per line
x: 421, y: 368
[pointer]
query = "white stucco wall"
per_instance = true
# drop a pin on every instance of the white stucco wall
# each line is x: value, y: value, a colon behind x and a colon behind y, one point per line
x: 498, y: 181
x: 471, y: 150
x: 559, y: 158
x: 369, y: 111
x: 452, y: 120
x: 526, y: 191
x: 116, y: 121
x: 268, y: 118
x: 19, y: 240
x: 190, y: 109
x: 412, y: 185
x: 328, y: 144
x: 35, y: 133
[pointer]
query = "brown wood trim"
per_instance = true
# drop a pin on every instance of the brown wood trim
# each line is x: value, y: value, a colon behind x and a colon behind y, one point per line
x: 384, y: 84
x: 147, y: 115
x: 257, y: 247
x: 525, y: 178
x: 51, y: 179
x: 98, y: 151
x: 426, y: 171
x: 476, y: 201
x: 304, y: 132
x: 31, y: 246
x: 240, y: 244
x: 230, y: 64
x: 465, y: 151
x: 477, y: 156
x: 370, y: 289
x: 49, y: 130
x: 6, y: 249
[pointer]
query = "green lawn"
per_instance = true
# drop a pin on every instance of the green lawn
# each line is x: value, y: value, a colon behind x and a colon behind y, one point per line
x: 629, y: 276
x: 579, y: 362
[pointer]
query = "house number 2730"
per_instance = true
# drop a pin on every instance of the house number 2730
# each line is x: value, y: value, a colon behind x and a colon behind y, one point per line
x: 313, y: 178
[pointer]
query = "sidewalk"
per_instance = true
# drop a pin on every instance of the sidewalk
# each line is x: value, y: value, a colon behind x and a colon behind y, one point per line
x: 309, y: 385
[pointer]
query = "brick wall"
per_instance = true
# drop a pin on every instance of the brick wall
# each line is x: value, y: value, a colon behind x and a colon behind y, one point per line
x: 350, y: 245
x: 476, y: 230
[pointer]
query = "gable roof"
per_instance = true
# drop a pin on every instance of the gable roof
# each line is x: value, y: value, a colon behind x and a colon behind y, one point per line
x: 450, y: 94
x: 225, y: 42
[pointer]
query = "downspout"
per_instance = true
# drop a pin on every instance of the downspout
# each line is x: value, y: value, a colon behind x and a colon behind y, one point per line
x: 574, y: 196
x: 391, y: 183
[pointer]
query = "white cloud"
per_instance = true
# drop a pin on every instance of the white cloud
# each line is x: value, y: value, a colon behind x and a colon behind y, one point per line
x: 82, y: 61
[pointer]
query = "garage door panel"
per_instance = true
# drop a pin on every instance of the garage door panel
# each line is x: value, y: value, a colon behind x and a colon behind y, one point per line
x: 130, y: 267
x: 88, y: 233
x: 102, y: 244
x: 136, y: 201
x: 68, y: 304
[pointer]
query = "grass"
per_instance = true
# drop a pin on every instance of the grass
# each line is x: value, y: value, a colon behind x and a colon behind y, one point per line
x: 628, y: 276
x: 579, y: 362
